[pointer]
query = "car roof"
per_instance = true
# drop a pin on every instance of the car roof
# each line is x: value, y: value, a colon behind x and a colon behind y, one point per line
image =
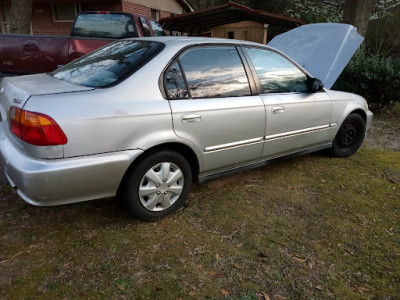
x: 175, y: 43
x: 189, y: 40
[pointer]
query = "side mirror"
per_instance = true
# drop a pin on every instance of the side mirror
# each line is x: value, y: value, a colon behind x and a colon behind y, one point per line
x: 315, y: 85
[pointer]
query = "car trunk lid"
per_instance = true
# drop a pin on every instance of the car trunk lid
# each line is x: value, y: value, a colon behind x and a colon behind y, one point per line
x: 322, y: 49
x: 15, y: 91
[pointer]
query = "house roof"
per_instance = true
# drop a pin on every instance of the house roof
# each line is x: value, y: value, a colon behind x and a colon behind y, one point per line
x: 231, y: 12
x: 186, y: 5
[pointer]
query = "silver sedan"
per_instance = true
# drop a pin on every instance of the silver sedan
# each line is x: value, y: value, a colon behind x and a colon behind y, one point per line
x: 143, y: 118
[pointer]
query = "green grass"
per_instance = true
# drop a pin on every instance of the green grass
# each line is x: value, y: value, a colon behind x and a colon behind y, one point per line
x: 312, y: 227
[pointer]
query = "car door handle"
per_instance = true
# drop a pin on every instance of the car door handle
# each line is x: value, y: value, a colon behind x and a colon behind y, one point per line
x: 191, y: 118
x: 278, y: 109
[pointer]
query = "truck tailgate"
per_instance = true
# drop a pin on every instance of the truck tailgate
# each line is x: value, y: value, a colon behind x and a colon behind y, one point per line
x: 24, y: 54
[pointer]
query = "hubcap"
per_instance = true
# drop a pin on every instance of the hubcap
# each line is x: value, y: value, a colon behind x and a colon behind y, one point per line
x: 161, y: 186
x: 347, y: 135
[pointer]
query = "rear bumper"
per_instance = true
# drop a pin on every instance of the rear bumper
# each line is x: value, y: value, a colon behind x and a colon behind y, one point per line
x: 61, y: 181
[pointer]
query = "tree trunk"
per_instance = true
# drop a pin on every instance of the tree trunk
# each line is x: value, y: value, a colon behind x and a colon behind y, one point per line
x: 357, y: 13
x: 20, y: 21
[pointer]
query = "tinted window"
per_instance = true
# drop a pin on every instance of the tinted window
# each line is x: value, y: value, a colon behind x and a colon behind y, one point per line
x: 214, y: 72
x: 145, y: 27
x: 276, y: 73
x: 109, y: 64
x: 175, y: 83
x: 157, y: 29
x: 117, y: 26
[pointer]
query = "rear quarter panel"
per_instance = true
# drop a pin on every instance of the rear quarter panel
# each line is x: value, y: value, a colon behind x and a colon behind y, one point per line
x: 130, y: 115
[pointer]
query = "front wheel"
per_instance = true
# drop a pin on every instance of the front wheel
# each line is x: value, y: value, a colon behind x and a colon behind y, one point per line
x: 157, y: 185
x: 349, y: 137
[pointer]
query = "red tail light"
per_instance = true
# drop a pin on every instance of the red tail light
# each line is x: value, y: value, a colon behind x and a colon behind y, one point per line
x: 35, y: 128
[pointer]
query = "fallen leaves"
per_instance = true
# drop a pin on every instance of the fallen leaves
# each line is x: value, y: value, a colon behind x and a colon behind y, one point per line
x: 265, y: 295
x: 362, y: 289
x: 225, y: 293
x: 388, y: 268
x: 298, y: 259
x: 68, y: 264
x: 303, y: 261
x: 216, y: 274
x: 319, y: 287
x: 310, y: 265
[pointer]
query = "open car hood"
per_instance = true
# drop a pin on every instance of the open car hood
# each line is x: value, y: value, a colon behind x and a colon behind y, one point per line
x: 322, y: 49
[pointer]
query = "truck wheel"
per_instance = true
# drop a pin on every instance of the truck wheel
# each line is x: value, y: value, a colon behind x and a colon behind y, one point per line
x: 349, y: 137
x: 157, y: 185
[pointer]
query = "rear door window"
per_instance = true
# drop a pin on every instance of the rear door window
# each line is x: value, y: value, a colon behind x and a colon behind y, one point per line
x: 115, y: 26
x: 210, y: 72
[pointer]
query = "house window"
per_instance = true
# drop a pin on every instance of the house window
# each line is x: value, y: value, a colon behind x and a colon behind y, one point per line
x: 4, y: 19
x: 65, y: 12
x: 155, y: 14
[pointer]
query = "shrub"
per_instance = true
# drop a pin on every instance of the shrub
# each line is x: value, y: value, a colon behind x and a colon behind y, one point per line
x: 375, y: 78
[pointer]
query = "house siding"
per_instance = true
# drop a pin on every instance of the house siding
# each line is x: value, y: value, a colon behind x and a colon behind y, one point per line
x: 136, y: 9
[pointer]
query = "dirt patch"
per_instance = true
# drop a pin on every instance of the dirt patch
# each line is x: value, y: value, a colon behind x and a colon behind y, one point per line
x: 385, y: 131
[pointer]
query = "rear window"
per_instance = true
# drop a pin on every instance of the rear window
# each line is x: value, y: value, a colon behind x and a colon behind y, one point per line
x: 115, y: 26
x: 109, y: 64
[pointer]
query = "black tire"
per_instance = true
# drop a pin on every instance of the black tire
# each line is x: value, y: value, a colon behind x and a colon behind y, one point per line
x: 166, y: 176
x: 349, y: 137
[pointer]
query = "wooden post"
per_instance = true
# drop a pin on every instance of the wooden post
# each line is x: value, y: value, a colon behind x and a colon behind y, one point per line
x: 265, y: 34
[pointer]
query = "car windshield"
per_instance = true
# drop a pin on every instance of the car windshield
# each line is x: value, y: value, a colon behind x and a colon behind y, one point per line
x: 110, y: 64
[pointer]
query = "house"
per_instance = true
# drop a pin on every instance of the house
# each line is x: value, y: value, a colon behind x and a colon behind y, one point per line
x: 55, y: 17
x: 230, y: 20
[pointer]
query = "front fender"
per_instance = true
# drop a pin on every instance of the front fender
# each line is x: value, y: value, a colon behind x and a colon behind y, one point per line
x: 343, y: 104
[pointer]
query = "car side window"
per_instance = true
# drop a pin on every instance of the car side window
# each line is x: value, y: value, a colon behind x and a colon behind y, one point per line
x: 214, y: 72
x: 175, y: 83
x: 275, y: 73
x: 145, y: 27
x: 157, y: 29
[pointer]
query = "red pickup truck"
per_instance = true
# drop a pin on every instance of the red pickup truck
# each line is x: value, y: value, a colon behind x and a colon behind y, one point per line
x: 27, y: 54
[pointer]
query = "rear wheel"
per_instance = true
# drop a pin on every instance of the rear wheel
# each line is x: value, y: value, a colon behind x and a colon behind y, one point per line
x: 157, y: 185
x: 349, y: 137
